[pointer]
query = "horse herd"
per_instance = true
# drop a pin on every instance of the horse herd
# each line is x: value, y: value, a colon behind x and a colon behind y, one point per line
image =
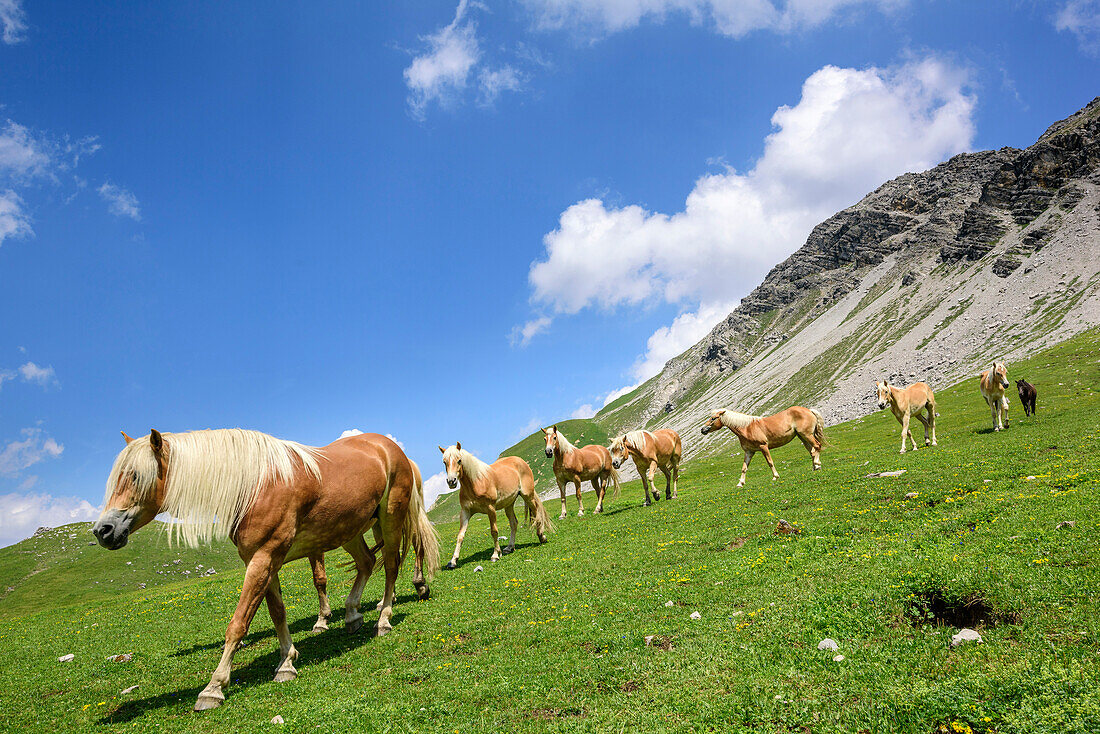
x: 279, y: 501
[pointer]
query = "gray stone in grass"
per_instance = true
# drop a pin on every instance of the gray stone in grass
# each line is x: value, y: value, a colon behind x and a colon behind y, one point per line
x: 885, y: 474
x: 66, y: 658
x: 126, y: 691
x: 911, y: 495
x: 478, y: 568
x: 838, y: 658
x: 670, y: 603
x: 965, y: 635
x: 696, y: 615
x: 1066, y: 524
x: 828, y: 644
x: 276, y: 719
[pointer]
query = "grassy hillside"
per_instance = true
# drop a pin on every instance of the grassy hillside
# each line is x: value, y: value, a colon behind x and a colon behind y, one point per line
x: 553, y: 638
x: 580, y: 431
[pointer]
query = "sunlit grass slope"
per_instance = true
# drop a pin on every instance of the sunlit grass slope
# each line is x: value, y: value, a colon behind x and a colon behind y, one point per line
x: 553, y: 637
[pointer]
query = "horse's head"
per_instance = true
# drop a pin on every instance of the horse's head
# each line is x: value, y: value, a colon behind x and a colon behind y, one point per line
x: 551, y: 436
x: 135, y: 490
x: 883, y: 389
x: 452, y: 461
x: 713, y: 421
x: 618, y: 451
x: 1000, y: 374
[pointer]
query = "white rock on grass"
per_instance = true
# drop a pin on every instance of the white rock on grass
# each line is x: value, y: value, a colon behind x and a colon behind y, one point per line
x: 965, y: 635
x: 479, y: 568
x: 696, y: 615
x: 276, y: 719
x: 670, y: 603
x: 1066, y: 524
x: 828, y: 644
x: 129, y: 690
x: 911, y: 495
x: 838, y: 658
x: 66, y: 658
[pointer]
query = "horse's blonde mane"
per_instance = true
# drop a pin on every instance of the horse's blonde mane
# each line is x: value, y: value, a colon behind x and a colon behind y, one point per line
x: 472, y: 466
x: 564, y: 447
x: 635, y: 440
x: 213, y: 476
x: 733, y: 419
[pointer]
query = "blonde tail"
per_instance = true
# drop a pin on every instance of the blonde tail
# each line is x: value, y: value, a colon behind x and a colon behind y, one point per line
x: 419, y: 529
x: 819, y: 427
x: 615, y: 480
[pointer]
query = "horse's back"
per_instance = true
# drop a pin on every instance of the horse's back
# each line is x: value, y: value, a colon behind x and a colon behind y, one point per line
x: 513, y: 466
x: 668, y: 442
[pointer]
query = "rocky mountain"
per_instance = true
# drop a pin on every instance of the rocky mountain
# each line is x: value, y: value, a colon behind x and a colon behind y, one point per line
x: 989, y: 255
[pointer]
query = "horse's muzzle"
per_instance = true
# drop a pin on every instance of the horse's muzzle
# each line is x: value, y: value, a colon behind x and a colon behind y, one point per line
x: 112, y: 529
x: 616, y: 463
x: 549, y: 453
x: 706, y: 430
x: 881, y: 405
x: 452, y: 483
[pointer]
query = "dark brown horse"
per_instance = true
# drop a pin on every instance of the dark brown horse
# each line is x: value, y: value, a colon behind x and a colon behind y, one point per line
x: 277, y: 501
x: 1028, y: 394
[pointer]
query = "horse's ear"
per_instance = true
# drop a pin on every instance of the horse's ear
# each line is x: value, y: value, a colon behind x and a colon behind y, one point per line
x: 721, y: 411
x: 442, y: 450
x: 458, y: 445
x: 156, y: 441
x: 128, y: 439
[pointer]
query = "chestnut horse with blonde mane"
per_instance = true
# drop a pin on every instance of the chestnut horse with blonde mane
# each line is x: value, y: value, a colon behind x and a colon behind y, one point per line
x: 573, y: 465
x: 650, y: 450
x: 486, y: 488
x: 910, y: 401
x: 763, y: 433
x: 993, y: 383
x: 277, y: 501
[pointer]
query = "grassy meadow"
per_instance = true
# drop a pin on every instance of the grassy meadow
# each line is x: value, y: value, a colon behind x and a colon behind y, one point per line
x: 553, y: 637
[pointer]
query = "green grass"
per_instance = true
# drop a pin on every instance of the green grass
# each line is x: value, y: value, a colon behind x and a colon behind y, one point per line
x: 552, y: 638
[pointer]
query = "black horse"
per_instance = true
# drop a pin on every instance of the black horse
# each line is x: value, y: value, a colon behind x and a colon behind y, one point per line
x: 1028, y: 393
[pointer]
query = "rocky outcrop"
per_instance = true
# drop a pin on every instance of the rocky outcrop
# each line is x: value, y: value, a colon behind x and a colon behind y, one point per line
x: 906, y: 253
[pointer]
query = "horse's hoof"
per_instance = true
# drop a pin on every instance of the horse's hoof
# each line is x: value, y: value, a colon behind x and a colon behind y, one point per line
x: 580, y: 513
x: 451, y: 566
x: 647, y: 503
x: 494, y: 559
x: 423, y: 593
x: 353, y: 626
x: 542, y: 538
x: 320, y: 626
x: 207, y: 701
x: 378, y: 606
x: 562, y: 516
x: 285, y: 676
x: 817, y: 466
x: 384, y: 629
x: 506, y: 551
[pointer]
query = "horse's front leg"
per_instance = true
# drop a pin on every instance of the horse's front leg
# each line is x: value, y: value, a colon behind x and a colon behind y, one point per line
x: 580, y: 501
x: 257, y: 578
x: 493, y: 532
x: 287, y: 652
x: 643, y: 472
x: 651, y: 471
x: 668, y: 482
x: 768, y: 457
x: 905, y: 432
x: 995, y: 410
x: 320, y: 581
x: 745, y: 466
x: 561, y: 490
x: 463, y: 523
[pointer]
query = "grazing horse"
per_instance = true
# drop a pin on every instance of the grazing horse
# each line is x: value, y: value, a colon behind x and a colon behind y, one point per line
x: 277, y: 501
x: 650, y: 450
x: 490, y: 487
x: 763, y: 433
x: 1028, y: 393
x: 317, y: 565
x: 575, y: 465
x: 910, y: 401
x: 993, y: 383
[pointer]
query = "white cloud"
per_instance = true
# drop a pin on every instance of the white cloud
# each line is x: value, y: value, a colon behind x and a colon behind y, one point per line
x: 527, y: 429
x: 443, y: 71
x: 22, y: 155
x: 22, y: 514
x: 120, y: 201
x: 670, y: 341
x: 616, y: 394
x: 394, y: 439
x: 33, y: 448
x: 434, y: 486
x: 733, y: 18
x: 44, y: 376
x: 522, y: 335
x: 14, y: 221
x: 14, y: 21
x: 491, y: 82
x: 351, y: 432
x: 584, y: 411
x: 1082, y: 19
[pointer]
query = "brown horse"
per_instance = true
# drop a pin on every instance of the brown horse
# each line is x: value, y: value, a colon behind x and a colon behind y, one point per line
x: 993, y: 383
x: 575, y: 465
x: 1028, y: 396
x: 658, y: 449
x: 763, y: 433
x: 320, y: 577
x: 487, y: 488
x: 910, y: 401
x: 277, y: 501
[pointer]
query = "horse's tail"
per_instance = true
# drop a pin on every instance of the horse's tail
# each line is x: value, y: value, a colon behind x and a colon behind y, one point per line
x: 617, y: 481
x: 419, y: 530
x: 536, y: 510
x: 819, y: 427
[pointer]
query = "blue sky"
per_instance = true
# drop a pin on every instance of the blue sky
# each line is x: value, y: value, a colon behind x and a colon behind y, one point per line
x: 443, y: 222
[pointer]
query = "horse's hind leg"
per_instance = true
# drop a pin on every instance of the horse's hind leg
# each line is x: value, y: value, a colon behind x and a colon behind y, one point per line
x: 651, y: 472
x: 364, y: 565
x: 391, y: 559
x: 600, y: 488
x: 924, y: 422
x: 257, y: 577
x: 675, y: 477
x: 768, y: 457
x: 513, y: 523
x: 745, y: 467
x: 814, y: 448
x: 320, y: 581
x: 643, y: 472
x: 287, y: 653
x: 668, y: 482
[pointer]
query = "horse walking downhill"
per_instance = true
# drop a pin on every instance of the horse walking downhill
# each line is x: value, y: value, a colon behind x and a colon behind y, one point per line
x: 993, y: 383
x: 906, y: 402
x: 1028, y: 395
x: 658, y: 449
x: 575, y: 465
x: 763, y: 433
x: 487, y: 488
x: 277, y: 501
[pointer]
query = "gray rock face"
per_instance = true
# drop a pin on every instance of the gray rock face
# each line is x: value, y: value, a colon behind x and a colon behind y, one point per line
x: 909, y: 283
